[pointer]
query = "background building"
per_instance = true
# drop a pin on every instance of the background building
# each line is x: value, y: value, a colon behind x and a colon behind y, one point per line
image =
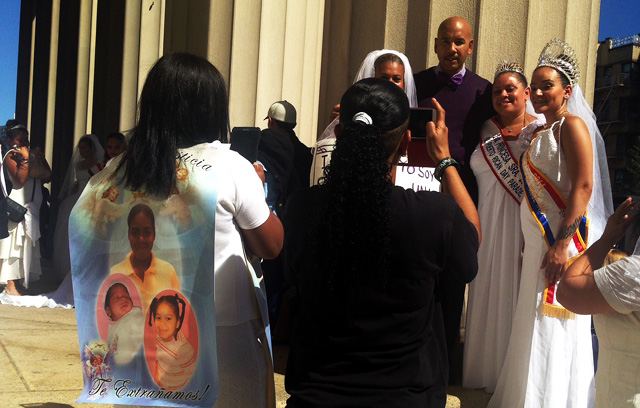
x: 82, y: 63
x: 617, y: 107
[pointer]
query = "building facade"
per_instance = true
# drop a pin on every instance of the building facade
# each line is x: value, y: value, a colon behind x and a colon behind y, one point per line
x: 82, y: 63
x: 617, y: 108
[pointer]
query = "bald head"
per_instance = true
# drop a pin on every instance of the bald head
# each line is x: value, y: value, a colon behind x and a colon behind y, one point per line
x: 455, y: 23
x: 453, y: 44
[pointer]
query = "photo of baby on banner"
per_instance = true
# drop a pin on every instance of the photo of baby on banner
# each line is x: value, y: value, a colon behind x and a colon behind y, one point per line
x: 124, y: 318
x: 144, y: 293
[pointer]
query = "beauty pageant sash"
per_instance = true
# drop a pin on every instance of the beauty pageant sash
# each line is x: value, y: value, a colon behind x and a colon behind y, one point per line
x: 503, y: 165
x: 541, y: 196
x: 92, y: 172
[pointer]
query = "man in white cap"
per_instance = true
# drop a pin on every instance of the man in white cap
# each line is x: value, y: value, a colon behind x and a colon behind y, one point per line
x: 282, y: 115
x: 287, y: 163
x: 282, y: 120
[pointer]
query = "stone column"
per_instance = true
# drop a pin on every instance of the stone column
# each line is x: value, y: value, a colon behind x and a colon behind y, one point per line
x: 271, y: 56
x: 83, y: 88
x: 151, y: 37
x: 310, y: 70
x: 129, y: 95
x: 219, y: 36
x: 53, y: 76
x: 243, y: 76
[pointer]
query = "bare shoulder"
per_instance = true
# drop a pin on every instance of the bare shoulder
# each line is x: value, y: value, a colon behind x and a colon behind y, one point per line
x: 573, y: 123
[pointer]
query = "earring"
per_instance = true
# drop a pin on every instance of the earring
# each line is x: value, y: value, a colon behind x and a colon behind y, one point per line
x: 566, y: 97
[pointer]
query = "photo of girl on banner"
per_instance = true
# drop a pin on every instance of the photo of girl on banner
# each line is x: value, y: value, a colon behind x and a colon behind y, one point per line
x: 171, y: 326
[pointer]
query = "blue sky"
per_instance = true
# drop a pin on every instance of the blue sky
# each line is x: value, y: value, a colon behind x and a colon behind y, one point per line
x: 618, y: 18
x: 10, y: 12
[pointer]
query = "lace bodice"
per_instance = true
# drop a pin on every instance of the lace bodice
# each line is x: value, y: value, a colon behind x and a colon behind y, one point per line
x: 546, y: 154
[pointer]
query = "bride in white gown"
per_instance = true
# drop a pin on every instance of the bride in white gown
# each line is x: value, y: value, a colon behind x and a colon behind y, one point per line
x: 567, y: 201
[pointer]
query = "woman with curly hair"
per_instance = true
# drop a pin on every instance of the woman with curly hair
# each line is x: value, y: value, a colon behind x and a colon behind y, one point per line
x: 365, y: 257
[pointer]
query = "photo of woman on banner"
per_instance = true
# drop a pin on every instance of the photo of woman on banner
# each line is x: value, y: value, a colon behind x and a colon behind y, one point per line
x: 150, y: 273
x: 172, y: 327
x: 126, y: 320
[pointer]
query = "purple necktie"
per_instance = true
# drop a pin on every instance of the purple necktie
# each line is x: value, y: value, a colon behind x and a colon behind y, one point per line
x: 451, y: 81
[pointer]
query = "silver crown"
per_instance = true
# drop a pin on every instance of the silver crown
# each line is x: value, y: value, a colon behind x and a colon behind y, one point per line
x: 506, y: 66
x: 559, y: 55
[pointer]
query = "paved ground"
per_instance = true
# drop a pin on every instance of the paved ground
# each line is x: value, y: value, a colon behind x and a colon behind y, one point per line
x: 39, y: 362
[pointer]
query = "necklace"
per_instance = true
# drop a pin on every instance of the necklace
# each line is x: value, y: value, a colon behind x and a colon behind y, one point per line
x: 548, y: 125
x: 510, y: 128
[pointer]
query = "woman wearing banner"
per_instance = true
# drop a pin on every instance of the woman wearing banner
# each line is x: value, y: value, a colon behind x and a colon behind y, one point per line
x: 365, y: 256
x: 549, y: 359
x: 494, y: 292
x: 183, y: 112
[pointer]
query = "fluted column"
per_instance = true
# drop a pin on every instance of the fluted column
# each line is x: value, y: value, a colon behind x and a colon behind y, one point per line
x: 131, y: 46
x: 395, y: 31
x: 491, y: 49
x: 335, y: 59
x: 219, y: 36
x: 270, y: 56
x: 310, y: 70
x: 31, y: 62
x: 151, y: 37
x: 53, y: 76
x: 84, y: 76
x: 243, y: 76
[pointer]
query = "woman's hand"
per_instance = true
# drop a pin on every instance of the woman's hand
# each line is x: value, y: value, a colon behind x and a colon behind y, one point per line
x: 259, y: 171
x: 438, y: 135
x: 554, y: 262
x: 39, y: 168
x: 335, y: 112
x: 619, y: 221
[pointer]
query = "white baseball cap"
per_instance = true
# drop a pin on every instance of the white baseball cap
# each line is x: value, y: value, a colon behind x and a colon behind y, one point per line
x: 282, y: 111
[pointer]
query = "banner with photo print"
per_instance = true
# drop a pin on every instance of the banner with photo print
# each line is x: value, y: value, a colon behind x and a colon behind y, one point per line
x: 142, y: 273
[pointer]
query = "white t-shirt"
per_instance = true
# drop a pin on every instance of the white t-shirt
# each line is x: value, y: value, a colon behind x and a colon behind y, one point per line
x: 618, y: 376
x: 240, y: 205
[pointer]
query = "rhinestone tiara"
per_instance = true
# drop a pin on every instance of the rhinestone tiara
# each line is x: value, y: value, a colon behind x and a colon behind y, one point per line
x: 506, y: 66
x: 559, y: 55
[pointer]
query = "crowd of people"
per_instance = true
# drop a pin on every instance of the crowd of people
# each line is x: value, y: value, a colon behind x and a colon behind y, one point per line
x: 375, y: 274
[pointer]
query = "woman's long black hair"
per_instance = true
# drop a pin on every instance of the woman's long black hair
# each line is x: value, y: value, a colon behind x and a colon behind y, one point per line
x: 355, y: 221
x: 183, y: 103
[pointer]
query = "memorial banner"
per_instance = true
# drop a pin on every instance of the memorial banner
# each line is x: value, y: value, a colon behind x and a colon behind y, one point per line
x: 144, y: 294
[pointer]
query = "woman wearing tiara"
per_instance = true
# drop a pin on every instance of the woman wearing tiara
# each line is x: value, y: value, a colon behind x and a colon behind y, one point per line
x: 386, y: 64
x: 568, y: 199
x: 494, y: 292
